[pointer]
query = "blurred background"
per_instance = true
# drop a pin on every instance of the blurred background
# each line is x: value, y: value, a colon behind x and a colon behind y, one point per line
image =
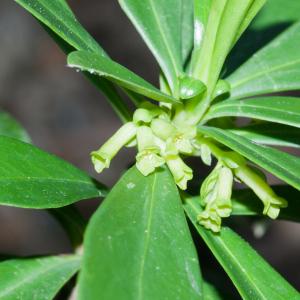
x: 65, y: 115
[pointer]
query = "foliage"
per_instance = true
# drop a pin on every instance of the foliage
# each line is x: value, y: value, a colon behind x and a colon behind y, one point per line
x: 137, y: 244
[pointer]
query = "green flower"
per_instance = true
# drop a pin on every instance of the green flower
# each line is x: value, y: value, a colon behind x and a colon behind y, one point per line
x: 272, y: 202
x: 147, y: 112
x: 102, y: 157
x: 148, y: 158
x: 210, y: 220
x: 215, y: 195
x: 272, y: 206
x: 180, y: 171
x: 163, y: 128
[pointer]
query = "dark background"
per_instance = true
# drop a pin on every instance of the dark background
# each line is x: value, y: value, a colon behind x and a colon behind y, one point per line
x: 65, y: 115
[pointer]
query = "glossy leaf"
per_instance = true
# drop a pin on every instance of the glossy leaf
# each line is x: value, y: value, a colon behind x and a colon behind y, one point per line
x: 275, y: 68
x: 59, y: 18
x: 284, y: 110
x: 269, y: 23
x: 138, y: 245
x: 271, y: 134
x: 273, y: 13
x: 159, y: 23
x: 115, y: 72
x: 253, y: 280
x: 11, y: 128
x: 253, y: 10
x: 36, y: 278
x: 281, y: 164
x: 33, y: 178
x: 201, y: 14
x: 60, y: 22
x: 187, y: 30
x: 225, y: 19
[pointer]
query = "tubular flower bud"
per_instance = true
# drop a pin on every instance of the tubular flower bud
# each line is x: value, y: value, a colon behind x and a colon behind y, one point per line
x: 215, y: 195
x: 180, y: 171
x: 162, y: 128
x: 148, y: 158
x: 272, y: 202
x: 183, y: 138
x: 210, y: 220
x: 102, y: 157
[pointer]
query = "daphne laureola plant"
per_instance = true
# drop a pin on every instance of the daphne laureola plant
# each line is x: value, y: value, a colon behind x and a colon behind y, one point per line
x: 137, y: 245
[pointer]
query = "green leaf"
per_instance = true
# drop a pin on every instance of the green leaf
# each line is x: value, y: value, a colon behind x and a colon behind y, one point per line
x: 36, y: 278
x: 56, y: 15
x: 138, y: 246
x: 275, y: 68
x: 102, y: 66
x: 187, y: 30
x: 254, y: 8
x: 225, y: 20
x: 253, y: 277
x: 270, y: 22
x: 271, y: 134
x: 32, y: 178
x: 274, y: 14
x: 60, y: 22
x: 281, y: 164
x: 11, y: 128
x: 72, y: 222
x: 210, y: 292
x: 201, y: 14
x: 159, y: 23
x: 284, y: 110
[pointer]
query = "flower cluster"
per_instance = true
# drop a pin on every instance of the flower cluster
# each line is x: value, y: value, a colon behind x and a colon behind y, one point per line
x: 159, y: 141
x: 215, y: 192
x: 165, y: 134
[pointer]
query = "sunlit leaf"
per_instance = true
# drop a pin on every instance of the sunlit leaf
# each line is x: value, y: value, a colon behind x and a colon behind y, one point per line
x: 60, y: 22
x: 271, y: 134
x: 159, y: 23
x: 33, y: 178
x: 36, y: 278
x: 137, y: 244
x: 275, y: 68
x: 253, y: 277
x: 115, y: 72
x: 11, y: 128
x: 284, y: 110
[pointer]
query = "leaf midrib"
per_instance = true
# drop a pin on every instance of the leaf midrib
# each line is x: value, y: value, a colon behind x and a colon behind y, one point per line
x: 233, y: 259
x: 32, y: 277
x: 253, y: 106
x: 147, y: 241
x: 60, y: 21
x: 152, y: 6
x: 263, y: 73
x: 143, y: 85
x: 39, y: 179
